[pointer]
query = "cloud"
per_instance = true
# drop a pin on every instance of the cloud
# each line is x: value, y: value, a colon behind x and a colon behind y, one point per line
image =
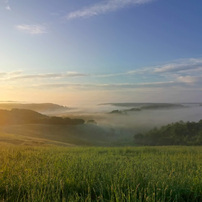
x: 32, y: 29
x: 128, y: 73
x: 14, y: 73
x: 106, y: 86
x: 109, y: 75
x: 140, y: 71
x: 2, y: 74
x: 15, y: 76
x: 187, y: 65
x: 190, y: 79
x: 8, y: 8
x: 7, y: 5
x: 104, y: 7
x: 184, y: 74
x: 5, y: 75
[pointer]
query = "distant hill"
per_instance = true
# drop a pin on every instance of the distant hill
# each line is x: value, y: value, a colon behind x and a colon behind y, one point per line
x: 117, y: 112
x: 143, y: 106
x: 45, y: 108
x: 162, y: 106
x: 180, y: 133
x: 147, y: 105
x: 26, y: 116
x: 124, y: 112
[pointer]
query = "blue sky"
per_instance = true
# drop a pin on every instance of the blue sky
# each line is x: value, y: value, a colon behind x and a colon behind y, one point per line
x: 72, y: 52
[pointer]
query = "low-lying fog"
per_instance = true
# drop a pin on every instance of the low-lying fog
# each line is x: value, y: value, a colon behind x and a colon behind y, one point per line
x: 146, y: 118
x: 123, y: 121
x: 110, y: 124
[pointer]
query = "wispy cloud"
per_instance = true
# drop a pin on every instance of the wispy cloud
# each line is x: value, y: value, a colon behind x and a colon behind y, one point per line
x: 32, y: 29
x: 184, y: 72
x: 2, y: 74
x: 186, y: 65
x: 190, y: 79
x: 106, y: 86
x: 104, y: 7
x: 19, y: 76
x: 6, y: 75
x: 7, y: 5
x: 16, y: 73
x: 8, y: 8
x: 190, y: 66
x: 181, y: 74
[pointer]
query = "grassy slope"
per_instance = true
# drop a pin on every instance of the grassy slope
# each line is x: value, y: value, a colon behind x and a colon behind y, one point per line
x: 100, y: 174
x: 87, y: 134
x: 16, y: 139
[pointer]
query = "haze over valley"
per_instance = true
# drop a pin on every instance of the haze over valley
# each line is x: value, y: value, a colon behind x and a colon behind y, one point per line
x: 109, y: 124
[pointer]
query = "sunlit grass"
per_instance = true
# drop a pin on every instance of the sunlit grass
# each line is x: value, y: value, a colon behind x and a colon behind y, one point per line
x: 100, y: 174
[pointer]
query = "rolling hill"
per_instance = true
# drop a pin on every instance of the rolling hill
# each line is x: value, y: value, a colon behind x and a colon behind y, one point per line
x: 25, y: 116
x: 22, y: 126
x: 44, y: 108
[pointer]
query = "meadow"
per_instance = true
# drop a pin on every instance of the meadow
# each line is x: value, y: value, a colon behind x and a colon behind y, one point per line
x: 53, y: 173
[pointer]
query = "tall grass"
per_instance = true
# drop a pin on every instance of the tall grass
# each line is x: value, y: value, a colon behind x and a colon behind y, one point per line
x: 100, y: 174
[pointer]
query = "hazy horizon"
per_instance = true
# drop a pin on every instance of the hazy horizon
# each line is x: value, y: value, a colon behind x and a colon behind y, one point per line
x: 103, y: 124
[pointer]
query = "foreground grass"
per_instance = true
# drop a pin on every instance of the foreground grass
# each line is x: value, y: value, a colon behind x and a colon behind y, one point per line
x: 100, y: 174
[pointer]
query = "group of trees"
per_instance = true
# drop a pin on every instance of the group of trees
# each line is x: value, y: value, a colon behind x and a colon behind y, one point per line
x: 180, y: 133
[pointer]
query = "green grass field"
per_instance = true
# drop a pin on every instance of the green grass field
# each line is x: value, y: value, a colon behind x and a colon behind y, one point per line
x: 50, y: 173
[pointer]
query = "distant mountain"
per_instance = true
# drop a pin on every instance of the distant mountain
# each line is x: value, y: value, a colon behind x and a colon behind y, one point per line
x: 45, y: 108
x: 25, y: 116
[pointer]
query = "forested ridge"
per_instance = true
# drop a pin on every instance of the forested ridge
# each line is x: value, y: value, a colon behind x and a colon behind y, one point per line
x: 180, y: 133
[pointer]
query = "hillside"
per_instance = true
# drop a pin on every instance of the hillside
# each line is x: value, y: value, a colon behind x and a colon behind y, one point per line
x: 21, y: 126
x: 80, y: 135
x: 45, y: 108
x: 25, y: 116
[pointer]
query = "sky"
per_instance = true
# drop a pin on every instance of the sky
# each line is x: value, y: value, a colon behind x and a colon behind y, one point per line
x: 83, y: 52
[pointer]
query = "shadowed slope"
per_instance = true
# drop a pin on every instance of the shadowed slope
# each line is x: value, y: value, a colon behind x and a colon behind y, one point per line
x: 86, y: 134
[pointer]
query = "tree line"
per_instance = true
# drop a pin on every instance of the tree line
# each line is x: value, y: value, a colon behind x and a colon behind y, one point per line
x: 180, y: 133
